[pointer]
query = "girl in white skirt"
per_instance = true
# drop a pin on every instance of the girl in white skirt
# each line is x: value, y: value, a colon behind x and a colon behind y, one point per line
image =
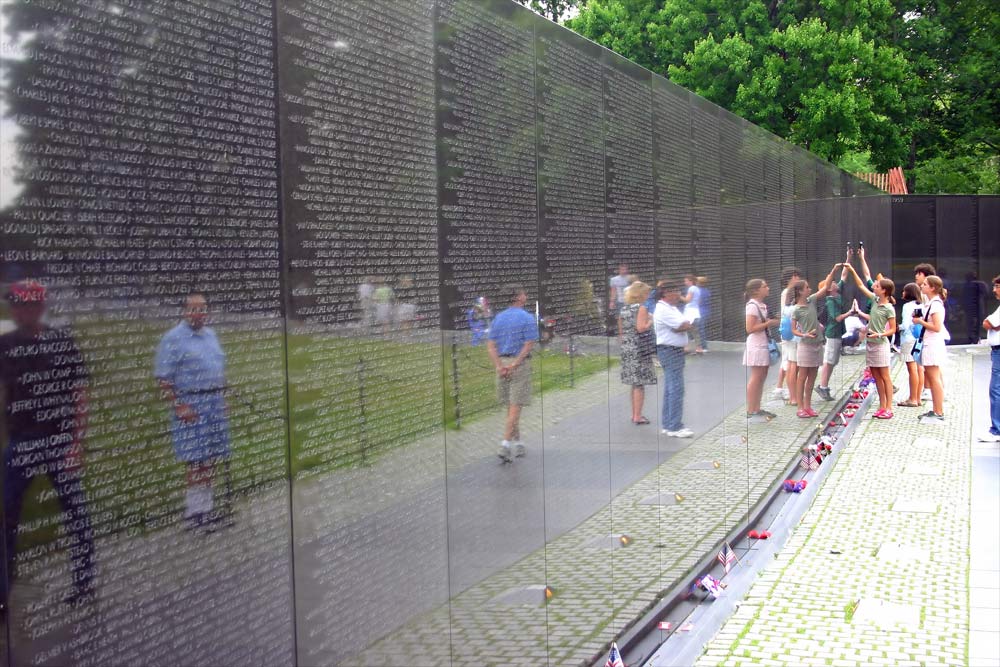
x: 934, y: 354
x: 881, y: 328
x: 805, y: 325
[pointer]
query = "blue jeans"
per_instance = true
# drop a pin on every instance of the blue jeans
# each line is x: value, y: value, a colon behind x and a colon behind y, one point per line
x: 672, y: 361
x: 22, y: 462
x: 702, y: 324
x: 995, y: 393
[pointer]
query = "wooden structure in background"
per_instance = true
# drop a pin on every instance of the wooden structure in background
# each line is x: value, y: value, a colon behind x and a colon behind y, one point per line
x: 892, y: 182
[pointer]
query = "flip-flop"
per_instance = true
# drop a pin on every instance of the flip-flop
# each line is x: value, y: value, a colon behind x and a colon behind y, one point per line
x: 640, y: 422
x: 908, y: 404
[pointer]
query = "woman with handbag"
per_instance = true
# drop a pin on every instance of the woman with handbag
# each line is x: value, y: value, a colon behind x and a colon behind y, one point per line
x: 761, y: 350
x: 638, y: 347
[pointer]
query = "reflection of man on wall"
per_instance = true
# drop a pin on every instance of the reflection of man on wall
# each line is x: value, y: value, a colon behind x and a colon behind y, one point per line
x: 511, y: 337
x: 190, y: 368
x: 44, y: 382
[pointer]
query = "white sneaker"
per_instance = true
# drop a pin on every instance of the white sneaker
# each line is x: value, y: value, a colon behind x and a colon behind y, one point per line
x: 504, y: 453
x: 988, y: 437
x: 519, y: 450
x: 683, y: 433
x: 926, y: 395
x: 778, y: 392
x: 785, y: 394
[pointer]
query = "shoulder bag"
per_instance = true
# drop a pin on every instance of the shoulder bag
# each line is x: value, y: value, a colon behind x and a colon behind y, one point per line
x: 774, y: 354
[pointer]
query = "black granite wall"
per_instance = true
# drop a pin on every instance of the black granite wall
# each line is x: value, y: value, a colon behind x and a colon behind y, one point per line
x: 350, y: 185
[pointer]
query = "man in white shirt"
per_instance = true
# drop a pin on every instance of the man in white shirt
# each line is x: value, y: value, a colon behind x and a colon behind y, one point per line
x: 671, y: 337
x: 992, y: 326
x: 616, y: 289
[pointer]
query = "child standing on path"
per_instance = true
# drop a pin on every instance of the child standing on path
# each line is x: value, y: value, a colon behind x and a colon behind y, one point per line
x: 908, y: 334
x: 805, y: 325
x: 834, y: 331
x: 933, y: 355
x: 881, y: 327
x: 786, y: 374
x: 756, y: 356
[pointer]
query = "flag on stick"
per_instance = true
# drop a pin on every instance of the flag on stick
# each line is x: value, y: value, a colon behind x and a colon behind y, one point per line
x: 614, y: 658
x: 727, y: 557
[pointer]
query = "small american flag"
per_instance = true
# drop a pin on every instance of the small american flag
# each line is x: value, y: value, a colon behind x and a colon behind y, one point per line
x: 614, y: 658
x: 727, y: 557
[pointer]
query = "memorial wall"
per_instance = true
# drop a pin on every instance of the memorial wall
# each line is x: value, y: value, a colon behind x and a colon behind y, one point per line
x: 252, y: 255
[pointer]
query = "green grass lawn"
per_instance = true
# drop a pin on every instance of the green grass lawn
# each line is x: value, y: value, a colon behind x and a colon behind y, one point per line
x: 349, y: 400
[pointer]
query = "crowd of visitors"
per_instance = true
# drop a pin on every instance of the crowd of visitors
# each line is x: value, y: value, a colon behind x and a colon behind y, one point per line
x: 809, y: 340
x: 659, y: 327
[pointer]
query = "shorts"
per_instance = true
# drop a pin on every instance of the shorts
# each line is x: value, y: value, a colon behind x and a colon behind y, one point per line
x: 809, y: 355
x: 878, y: 356
x: 831, y: 351
x: 906, y: 349
x: 789, y: 351
x: 515, y: 389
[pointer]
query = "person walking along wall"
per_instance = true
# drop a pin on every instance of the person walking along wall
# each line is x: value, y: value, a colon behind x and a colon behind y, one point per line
x: 511, y: 338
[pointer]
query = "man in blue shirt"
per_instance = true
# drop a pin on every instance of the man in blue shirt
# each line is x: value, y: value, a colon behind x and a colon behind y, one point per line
x: 190, y: 369
x: 512, y: 335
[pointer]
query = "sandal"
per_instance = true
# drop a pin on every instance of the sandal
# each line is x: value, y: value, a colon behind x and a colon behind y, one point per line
x: 908, y: 404
x: 641, y: 421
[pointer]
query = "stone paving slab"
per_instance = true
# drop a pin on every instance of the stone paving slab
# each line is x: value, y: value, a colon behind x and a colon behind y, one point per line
x: 600, y: 592
x: 896, y: 592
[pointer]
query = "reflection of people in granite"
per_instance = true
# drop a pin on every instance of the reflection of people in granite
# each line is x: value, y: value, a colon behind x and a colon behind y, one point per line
x: 44, y: 383
x: 190, y: 369
x: 974, y: 293
x: 383, y: 297
x: 511, y: 337
x: 366, y: 303
x: 586, y: 308
x: 406, y: 303
x: 478, y: 318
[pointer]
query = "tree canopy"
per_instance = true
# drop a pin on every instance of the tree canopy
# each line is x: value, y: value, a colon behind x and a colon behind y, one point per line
x: 897, y: 82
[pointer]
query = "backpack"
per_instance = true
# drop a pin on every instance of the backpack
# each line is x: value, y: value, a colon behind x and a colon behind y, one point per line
x: 785, y: 328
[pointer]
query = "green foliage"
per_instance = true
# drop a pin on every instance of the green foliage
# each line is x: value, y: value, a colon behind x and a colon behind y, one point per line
x: 914, y: 83
x: 970, y: 174
x: 552, y: 9
x: 855, y: 162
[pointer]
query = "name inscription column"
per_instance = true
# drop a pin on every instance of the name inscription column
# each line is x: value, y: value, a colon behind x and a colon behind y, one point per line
x: 143, y: 152
x: 571, y: 180
x: 628, y: 151
x: 360, y: 208
x: 486, y: 159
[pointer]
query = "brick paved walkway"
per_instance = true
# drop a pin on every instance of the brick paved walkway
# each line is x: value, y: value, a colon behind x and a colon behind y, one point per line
x: 599, y: 591
x: 877, y: 572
